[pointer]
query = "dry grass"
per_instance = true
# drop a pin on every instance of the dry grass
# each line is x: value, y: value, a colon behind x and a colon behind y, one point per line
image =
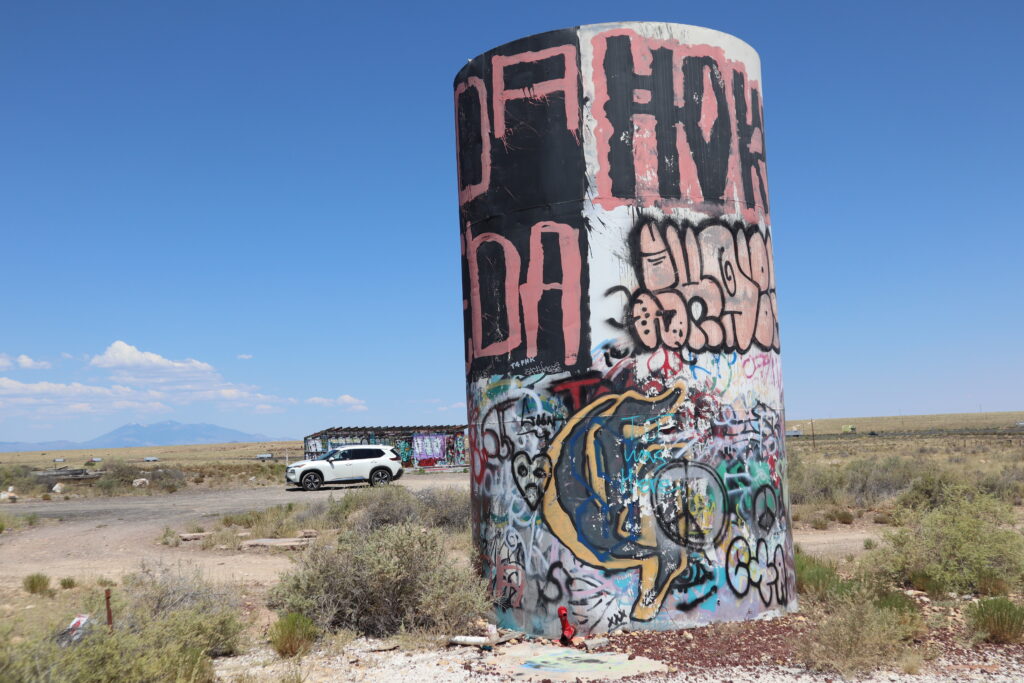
x: 169, y: 455
x: 909, y: 423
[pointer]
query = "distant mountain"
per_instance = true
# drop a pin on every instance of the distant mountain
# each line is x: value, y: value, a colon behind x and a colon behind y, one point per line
x: 168, y: 433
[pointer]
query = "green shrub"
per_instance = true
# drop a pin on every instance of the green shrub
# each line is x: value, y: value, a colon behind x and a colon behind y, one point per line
x: 870, y: 544
x: 36, y: 584
x: 32, y: 519
x: 933, y: 490
x: 67, y: 583
x: 996, y: 620
x: 954, y: 546
x: 399, y: 577
x: 819, y: 523
x: 293, y: 634
x: 856, y: 636
x: 817, y: 578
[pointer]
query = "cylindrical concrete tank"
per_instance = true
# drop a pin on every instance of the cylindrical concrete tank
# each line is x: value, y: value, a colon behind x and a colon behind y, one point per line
x: 622, y: 346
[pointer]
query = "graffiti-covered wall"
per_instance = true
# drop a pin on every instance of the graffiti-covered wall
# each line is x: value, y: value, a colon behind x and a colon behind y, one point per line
x: 434, y: 446
x: 622, y: 344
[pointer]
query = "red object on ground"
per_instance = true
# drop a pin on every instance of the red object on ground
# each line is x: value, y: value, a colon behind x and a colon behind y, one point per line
x: 568, y: 630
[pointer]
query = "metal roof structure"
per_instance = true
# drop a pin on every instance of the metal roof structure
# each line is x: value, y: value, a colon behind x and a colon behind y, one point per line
x: 385, y: 430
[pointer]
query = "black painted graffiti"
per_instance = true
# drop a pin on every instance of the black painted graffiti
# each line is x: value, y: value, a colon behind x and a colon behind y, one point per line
x: 731, y: 147
x: 764, y: 570
x: 531, y: 476
x: 690, y: 503
x: 706, y: 287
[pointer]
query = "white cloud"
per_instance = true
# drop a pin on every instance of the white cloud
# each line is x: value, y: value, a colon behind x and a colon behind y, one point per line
x: 453, y: 406
x: 138, y: 382
x: 244, y: 356
x: 14, y: 388
x: 344, y: 402
x: 65, y: 355
x: 26, y: 363
x: 120, y: 355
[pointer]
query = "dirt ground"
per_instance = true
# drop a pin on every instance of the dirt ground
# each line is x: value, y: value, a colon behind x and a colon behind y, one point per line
x: 108, y: 537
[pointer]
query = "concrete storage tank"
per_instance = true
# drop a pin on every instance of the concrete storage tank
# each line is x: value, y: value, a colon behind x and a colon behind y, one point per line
x: 622, y: 346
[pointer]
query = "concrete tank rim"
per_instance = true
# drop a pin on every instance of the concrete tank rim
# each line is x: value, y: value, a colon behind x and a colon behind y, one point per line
x: 601, y: 24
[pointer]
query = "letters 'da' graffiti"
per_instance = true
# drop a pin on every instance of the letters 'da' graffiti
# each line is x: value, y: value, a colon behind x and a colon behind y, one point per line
x: 622, y: 340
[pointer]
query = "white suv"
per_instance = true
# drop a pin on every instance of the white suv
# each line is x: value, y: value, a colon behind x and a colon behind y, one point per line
x: 376, y: 464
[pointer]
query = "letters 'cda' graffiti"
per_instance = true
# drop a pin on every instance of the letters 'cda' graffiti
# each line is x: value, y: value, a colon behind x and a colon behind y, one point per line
x: 626, y: 423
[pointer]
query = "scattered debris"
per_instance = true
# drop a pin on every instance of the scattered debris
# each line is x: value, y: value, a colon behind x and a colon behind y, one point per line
x: 469, y: 640
x: 76, y: 630
x: 58, y: 488
x: 140, y: 483
x: 276, y: 543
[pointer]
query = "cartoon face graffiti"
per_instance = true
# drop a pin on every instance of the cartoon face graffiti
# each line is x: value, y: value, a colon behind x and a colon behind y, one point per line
x: 624, y: 496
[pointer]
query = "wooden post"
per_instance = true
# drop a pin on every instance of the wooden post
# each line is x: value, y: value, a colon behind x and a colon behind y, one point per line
x: 110, y: 615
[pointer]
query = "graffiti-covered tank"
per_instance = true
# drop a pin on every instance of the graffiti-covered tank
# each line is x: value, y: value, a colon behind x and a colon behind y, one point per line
x: 622, y: 342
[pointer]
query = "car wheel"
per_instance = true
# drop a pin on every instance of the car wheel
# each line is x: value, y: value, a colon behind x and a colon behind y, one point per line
x: 311, y: 481
x: 380, y: 477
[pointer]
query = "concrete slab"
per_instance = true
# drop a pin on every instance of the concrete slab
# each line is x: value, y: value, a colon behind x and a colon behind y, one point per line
x: 536, y: 661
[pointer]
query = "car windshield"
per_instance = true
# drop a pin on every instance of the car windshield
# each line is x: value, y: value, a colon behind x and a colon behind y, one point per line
x: 330, y: 454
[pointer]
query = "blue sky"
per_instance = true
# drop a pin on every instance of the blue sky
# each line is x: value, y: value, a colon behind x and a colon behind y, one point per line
x: 245, y: 213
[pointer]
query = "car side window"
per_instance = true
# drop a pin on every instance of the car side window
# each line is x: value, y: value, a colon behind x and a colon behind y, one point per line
x: 366, y: 453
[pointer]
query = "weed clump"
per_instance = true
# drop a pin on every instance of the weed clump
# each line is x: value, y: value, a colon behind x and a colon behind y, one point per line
x: 293, y: 634
x: 858, y: 635
x: 817, y: 578
x: 36, y: 584
x: 68, y: 583
x: 996, y: 620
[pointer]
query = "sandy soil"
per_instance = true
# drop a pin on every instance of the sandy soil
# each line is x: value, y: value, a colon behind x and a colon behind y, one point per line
x: 110, y: 536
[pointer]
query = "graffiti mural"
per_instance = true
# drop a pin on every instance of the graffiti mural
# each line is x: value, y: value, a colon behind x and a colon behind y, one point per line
x: 626, y: 425
x: 433, y: 446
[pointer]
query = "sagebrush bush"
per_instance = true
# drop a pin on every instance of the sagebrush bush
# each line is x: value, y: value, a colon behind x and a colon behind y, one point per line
x: 36, y: 584
x: 399, y: 577
x: 373, y: 508
x: 68, y: 583
x: 856, y: 636
x: 996, y: 620
x: 447, y: 508
x: 192, y: 607
x: 293, y: 634
x: 955, y: 546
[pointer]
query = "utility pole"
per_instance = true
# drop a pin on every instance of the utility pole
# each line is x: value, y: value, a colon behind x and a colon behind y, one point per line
x: 814, y: 446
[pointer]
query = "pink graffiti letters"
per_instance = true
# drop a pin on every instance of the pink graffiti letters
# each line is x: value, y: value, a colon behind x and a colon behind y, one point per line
x: 708, y: 287
x: 520, y: 298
